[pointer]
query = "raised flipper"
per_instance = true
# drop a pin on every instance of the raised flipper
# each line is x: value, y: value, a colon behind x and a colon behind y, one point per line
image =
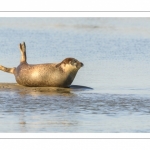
x: 9, y: 70
x: 23, y: 52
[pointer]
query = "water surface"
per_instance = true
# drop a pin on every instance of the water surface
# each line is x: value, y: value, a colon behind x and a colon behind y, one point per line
x: 116, y: 57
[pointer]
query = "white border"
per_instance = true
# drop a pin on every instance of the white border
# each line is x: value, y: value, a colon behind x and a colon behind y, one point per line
x: 74, y: 136
x: 75, y: 5
x: 74, y: 14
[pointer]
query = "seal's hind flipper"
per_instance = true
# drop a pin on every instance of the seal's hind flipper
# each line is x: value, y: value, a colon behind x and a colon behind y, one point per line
x: 9, y: 70
x: 23, y: 52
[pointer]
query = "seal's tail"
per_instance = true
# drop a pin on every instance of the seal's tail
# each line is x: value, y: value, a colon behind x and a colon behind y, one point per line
x: 9, y: 70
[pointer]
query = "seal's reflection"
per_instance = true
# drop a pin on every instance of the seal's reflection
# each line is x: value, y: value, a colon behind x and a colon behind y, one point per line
x: 48, y: 110
x: 43, y: 91
x: 51, y: 91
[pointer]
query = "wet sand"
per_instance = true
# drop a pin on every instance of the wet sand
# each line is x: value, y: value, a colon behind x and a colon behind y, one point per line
x: 17, y: 87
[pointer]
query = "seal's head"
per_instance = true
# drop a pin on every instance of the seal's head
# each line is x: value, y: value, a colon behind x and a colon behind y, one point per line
x: 70, y: 64
x: 69, y: 68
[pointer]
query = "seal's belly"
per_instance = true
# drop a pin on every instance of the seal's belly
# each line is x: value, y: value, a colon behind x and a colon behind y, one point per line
x: 41, y: 75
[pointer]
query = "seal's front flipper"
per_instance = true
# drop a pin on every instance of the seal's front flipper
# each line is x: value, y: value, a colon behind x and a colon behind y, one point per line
x: 9, y: 70
x: 23, y: 52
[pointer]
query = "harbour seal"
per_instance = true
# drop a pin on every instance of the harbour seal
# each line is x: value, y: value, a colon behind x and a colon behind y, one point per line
x: 44, y: 75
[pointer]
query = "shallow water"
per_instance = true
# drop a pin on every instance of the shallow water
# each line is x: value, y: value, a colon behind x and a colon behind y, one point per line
x: 116, y: 57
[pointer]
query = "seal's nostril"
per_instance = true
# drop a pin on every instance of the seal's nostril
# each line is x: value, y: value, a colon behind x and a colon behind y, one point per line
x: 82, y: 64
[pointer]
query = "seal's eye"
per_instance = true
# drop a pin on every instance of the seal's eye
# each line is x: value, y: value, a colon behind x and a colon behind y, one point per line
x: 75, y: 61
